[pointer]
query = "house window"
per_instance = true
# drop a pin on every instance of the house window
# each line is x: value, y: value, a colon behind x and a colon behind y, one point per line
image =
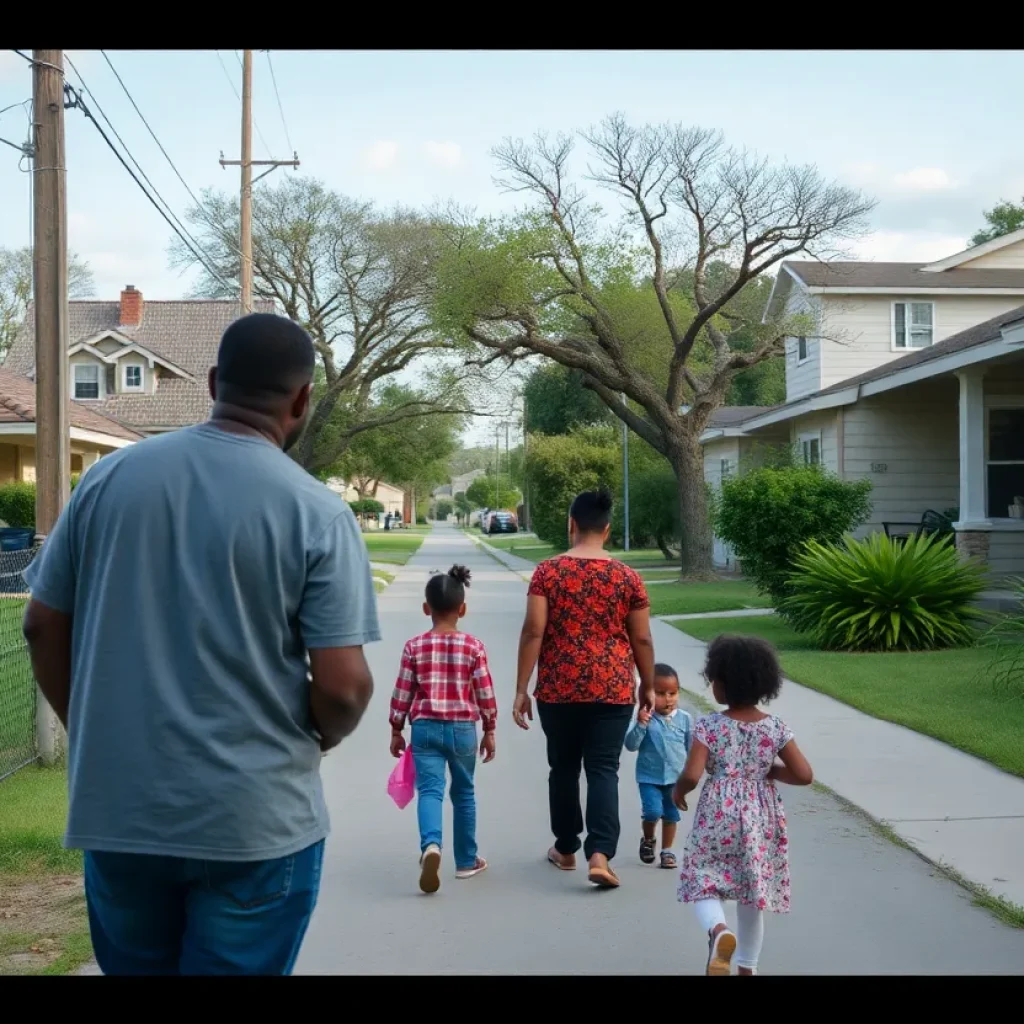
x: 913, y: 324
x: 87, y: 381
x: 1005, y: 469
x: 810, y: 448
x: 725, y: 469
x: 801, y: 349
x: 133, y: 378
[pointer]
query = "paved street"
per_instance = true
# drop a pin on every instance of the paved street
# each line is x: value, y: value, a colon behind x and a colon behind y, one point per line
x: 861, y: 904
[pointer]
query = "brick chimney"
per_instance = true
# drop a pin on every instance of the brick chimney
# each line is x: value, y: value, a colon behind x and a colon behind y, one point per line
x: 131, y: 307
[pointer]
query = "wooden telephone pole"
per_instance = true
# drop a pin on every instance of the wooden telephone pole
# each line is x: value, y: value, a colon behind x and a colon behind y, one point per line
x: 50, y: 294
x: 247, y: 164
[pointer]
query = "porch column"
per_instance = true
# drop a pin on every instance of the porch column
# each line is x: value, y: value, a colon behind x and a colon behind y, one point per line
x: 89, y: 459
x: 973, y: 508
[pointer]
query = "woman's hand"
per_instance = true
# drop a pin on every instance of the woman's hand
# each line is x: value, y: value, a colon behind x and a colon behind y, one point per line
x: 679, y: 798
x: 397, y: 744
x: 522, y: 710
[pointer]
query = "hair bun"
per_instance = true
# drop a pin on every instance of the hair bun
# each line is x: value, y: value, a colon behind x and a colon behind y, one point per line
x: 604, y: 499
x: 460, y: 574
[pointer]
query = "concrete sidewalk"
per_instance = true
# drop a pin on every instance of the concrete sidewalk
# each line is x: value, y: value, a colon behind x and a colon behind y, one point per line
x: 954, y: 809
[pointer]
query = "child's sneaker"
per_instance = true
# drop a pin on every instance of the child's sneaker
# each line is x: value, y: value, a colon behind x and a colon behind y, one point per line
x: 430, y: 869
x: 481, y: 865
x: 647, y: 850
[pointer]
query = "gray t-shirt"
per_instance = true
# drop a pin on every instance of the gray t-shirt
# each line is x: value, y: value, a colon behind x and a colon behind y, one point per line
x: 199, y: 567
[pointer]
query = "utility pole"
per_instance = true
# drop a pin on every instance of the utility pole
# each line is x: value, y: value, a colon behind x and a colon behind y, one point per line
x: 247, y: 163
x: 497, y: 466
x: 625, y: 480
x: 50, y: 295
x: 526, y: 478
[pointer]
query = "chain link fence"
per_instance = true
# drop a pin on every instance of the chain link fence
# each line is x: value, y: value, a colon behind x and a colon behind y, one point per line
x: 17, y: 687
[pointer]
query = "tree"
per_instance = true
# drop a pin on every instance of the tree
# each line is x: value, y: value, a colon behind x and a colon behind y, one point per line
x: 488, y: 492
x: 1003, y: 218
x: 413, y: 450
x: 558, y: 280
x: 556, y: 400
x: 463, y: 506
x: 359, y: 280
x: 444, y: 509
x: 16, y: 289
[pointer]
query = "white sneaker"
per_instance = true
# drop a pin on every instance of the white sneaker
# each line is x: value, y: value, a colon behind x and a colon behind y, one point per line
x: 430, y: 869
x: 481, y: 865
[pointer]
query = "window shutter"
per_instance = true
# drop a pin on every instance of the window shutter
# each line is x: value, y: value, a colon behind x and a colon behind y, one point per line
x: 111, y: 380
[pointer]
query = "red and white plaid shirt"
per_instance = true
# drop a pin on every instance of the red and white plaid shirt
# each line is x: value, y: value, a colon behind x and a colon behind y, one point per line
x: 444, y: 676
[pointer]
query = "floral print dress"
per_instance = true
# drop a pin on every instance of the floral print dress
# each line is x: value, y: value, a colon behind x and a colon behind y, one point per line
x: 738, y: 847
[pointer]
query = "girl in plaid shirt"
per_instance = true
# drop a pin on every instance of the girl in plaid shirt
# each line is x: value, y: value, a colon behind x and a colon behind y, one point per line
x: 444, y: 687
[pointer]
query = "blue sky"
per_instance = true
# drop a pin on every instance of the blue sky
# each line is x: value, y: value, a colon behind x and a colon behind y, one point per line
x: 927, y: 133
x: 931, y: 134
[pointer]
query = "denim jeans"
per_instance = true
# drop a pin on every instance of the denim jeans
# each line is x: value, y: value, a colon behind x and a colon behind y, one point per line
x: 589, y: 737
x: 657, y: 803
x: 153, y: 915
x: 435, y: 746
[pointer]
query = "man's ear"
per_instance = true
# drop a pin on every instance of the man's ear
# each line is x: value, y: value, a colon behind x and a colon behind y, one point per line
x: 212, y: 382
x: 301, y: 403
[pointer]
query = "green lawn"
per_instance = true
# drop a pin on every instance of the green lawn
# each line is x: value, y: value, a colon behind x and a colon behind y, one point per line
x: 382, y: 580
x: 943, y: 694
x: 394, y: 546
x: 43, y: 926
x: 691, y: 598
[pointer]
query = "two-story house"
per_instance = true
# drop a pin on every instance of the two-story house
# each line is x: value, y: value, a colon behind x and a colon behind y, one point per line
x: 143, y: 363
x: 913, y: 378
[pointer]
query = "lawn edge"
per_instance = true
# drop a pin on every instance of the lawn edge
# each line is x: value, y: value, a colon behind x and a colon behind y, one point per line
x: 496, y: 554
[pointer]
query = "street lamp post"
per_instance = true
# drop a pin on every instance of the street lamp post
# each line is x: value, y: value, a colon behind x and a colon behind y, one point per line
x: 625, y: 480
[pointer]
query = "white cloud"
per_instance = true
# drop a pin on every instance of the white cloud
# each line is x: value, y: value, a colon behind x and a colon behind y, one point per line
x: 924, y: 179
x: 443, y: 154
x: 381, y: 155
x: 908, y: 246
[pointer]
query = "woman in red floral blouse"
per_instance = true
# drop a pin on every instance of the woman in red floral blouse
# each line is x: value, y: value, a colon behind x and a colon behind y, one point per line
x: 588, y: 632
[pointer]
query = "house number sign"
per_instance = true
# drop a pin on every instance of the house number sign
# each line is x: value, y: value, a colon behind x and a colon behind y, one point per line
x: 879, y: 467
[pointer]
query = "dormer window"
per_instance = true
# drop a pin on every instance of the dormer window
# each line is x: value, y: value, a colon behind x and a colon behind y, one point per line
x: 133, y: 377
x: 913, y: 324
x: 86, y: 381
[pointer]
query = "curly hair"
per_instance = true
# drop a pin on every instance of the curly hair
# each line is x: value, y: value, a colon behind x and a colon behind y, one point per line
x: 446, y: 592
x: 746, y: 669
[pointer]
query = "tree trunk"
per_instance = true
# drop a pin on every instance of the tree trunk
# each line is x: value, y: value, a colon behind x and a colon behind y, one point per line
x: 662, y: 541
x: 687, y: 458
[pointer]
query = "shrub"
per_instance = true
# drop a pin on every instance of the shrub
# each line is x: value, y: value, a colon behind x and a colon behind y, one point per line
x: 881, y: 594
x: 558, y: 468
x: 366, y: 507
x: 767, y: 515
x: 1006, y: 638
x: 444, y: 509
x: 18, y: 504
x: 653, y: 511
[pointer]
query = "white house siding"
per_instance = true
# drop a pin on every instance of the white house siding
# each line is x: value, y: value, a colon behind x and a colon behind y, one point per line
x: 858, y: 328
x: 802, y: 378
x: 714, y: 452
x: 907, y: 444
x: 1010, y: 258
x: 1005, y: 555
x: 824, y: 425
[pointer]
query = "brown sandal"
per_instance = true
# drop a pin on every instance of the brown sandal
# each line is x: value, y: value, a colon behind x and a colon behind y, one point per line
x: 603, y: 878
x: 562, y: 862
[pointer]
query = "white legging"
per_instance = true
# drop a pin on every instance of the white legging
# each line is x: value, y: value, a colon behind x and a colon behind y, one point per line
x: 749, y: 929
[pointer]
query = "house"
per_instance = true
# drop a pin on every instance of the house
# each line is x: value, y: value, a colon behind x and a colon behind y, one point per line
x: 143, y: 363
x: 93, y: 434
x: 914, y: 379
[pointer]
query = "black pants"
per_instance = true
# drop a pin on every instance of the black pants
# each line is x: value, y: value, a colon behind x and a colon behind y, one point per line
x: 591, y: 736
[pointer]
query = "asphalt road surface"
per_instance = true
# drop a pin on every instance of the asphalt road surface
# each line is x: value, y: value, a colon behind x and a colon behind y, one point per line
x: 861, y: 905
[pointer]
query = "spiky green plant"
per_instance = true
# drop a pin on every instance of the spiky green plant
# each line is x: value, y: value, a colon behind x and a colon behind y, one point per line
x: 883, y: 595
x: 1006, y: 639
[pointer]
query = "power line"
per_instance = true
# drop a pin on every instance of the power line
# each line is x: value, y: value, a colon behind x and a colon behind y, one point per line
x: 199, y: 205
x: 171, y: 218
x: 77, y: 101
x: 280, y: 106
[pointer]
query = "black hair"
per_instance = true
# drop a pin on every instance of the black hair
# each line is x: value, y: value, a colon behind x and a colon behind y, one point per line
x: 592, y: 510
x: 262, y: 359
x: 661, y: 669
x: 746, y: 669
x: 446, y: 592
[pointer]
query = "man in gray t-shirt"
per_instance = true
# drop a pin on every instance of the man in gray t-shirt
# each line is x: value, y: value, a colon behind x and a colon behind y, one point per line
x: 173, y: 609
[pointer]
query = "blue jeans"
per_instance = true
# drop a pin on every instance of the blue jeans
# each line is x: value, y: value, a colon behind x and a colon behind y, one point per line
x: 436, y: 745
x: 656, y: 803
x: 153, y: 915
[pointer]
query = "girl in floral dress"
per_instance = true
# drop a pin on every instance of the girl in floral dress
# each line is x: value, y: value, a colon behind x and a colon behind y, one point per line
x: 738, y: 848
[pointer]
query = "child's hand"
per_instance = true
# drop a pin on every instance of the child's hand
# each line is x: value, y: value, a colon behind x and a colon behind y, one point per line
x: 487, y: 747
x: 397, y: 744
x: 643, y: 716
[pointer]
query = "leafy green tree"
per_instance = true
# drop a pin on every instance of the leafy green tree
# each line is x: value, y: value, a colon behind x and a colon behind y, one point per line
x: 444, y: 509
x: 556, y: 401
x: 16, y: 289
x: 463, y: 506
x: 563, y: 282
x: 1002, y: 219
x: 488, y: 492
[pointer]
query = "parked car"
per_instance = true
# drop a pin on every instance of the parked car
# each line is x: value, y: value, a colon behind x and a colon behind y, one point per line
x: 502, y: 522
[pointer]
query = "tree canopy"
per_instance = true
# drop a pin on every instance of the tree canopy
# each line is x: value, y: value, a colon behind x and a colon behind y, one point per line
x: 556, y: 400
x: 1002, y: 219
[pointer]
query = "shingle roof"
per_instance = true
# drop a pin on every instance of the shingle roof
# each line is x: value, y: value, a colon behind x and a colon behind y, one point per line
x: 184, y: 332
x: 729, y: 415
x: 900, y: 275
x: 18, y: 405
